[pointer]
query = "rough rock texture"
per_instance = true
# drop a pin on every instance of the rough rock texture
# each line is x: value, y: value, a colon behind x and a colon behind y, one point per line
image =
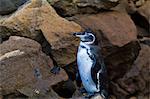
x: 145, y: 11
x: 129, y: 6
x: 137, y: 79
x: 120, y: 60
x: 72, y: 7
x: 25, y: 67
x: 9, y: 6
x: 38, y: 16
x: 111, y: 25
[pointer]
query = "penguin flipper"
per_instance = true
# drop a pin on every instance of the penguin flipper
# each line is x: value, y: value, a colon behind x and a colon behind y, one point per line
x: 98, y: 70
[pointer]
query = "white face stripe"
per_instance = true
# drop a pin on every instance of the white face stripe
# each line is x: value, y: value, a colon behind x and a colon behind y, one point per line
x: 91, y: 41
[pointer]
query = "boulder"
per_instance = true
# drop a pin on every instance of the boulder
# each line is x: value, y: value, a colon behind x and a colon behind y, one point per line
x: 9, y: 6
x: 120, y: 60
x: 110, y: 27
x: 72, y: 7
x: 25, y: 67
x: 129, y: 6
x: 136, y: 80
x: 145, y: 11
x: 38, y: 17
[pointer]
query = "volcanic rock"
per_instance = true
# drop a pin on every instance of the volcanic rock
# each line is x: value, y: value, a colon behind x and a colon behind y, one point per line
x: 25, y: 67
x: 137, y: 79
x: 145, y: 11
x: 9, y: 6
x: 73, y: 7
x: 37, y: 17
x: 111, y: 25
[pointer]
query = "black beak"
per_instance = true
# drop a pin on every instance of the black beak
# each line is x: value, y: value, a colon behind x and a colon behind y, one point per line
x: 78, y: 33
x: 74, y: 34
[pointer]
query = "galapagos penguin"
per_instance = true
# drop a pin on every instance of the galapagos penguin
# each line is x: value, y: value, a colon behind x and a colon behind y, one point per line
x: 91, y: 65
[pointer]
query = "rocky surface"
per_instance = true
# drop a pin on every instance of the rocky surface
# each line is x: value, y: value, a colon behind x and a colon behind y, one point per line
x: 9, y: 6
x: 72, y: 7
x: 122, y: 31
x: 38, y: 16
x: 111, y: 25
x: 144, y: 10
x: 137, y: 79
x: 25, y: 67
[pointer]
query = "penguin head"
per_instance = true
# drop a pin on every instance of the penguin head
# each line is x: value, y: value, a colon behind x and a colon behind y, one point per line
x: 86, y: 37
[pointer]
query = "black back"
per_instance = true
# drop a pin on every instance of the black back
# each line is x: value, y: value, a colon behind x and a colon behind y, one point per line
x: 97, y: 65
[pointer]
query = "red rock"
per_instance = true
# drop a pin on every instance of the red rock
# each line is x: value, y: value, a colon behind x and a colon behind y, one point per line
x: 145, y: 10
x: 37, y: 17
x: 137, y: 78
x: 24, y: 65
x: 117, y: 28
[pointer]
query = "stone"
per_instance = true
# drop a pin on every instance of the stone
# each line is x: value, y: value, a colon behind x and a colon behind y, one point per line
x: 126, y: 6
x: 137, y: 78
x: 145, y: 41
x: 111, y: 25
x: 72, y: 7
x: 38, y: 17
x: 142, y: 32
x: 145, y: 11
x: 132, y: 98
x: 64, y: 89
x: 9, y: 6
x: 120, y: 60
x: 25, y: 67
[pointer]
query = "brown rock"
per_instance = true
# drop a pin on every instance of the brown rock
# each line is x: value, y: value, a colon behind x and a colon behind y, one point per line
x: 72, y: 7
x: 9, y: 6
x: 112, y: 25
x: 120, y: 60
x: 137, y: 78
x: 38, y: 16
x: 127, y: 6
x: 25, y: 66
x: 145, y: 11
x: 132, y: 98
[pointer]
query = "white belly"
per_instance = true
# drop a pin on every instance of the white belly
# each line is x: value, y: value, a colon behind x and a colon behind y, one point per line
x: 84, y: 66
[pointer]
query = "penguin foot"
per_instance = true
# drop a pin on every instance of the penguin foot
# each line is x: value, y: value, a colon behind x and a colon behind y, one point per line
x: 82, y: 90
x: 55, y: 70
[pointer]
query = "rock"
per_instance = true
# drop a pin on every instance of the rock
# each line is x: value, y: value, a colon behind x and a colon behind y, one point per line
x: 39, y: 17
x: 132, y: 98
x: 137, y: 78
x: 64, y: 89
x: 9, y: 6
x: 127, y: 6
x: 145, y: 11
x: 145, y: 41
x: 97, y: 97
x: 111, y: 25
x: 25, y: 67
x: 142, y: 32
x: 120, y: 60
x: 72, y: 7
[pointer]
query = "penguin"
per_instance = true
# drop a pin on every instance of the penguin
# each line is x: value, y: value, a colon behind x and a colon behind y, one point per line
x: 91, y: 67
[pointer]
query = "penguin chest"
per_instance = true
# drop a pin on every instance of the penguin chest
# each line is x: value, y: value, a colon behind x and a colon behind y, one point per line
x: 84, y: 66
